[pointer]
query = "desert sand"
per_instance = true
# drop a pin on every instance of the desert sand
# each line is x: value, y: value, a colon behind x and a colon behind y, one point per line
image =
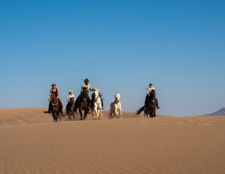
x: 32, y: 143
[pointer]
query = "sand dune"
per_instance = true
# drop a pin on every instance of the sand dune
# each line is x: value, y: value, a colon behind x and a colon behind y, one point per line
x: 32, y: 143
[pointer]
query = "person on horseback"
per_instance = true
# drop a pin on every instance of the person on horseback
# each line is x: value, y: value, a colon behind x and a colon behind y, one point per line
x: 86, y: 87
x: 149, y: 89
x: 70, y: 95
x: 55, y: 90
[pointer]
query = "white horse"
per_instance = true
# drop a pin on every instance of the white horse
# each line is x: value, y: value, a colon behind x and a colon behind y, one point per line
x: 115, y: 107
x: 97, y: 102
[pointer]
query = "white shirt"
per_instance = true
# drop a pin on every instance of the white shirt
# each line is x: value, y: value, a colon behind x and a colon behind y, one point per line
x: 149, y: 89
x: 86, y: 86
x: 70, y: 96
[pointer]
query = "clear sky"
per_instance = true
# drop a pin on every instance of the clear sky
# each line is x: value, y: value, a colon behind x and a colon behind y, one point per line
x: 120, y: 45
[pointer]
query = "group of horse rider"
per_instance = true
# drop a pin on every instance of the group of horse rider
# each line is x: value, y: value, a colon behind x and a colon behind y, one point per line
x: 88, y: 87
x: 70, y: 95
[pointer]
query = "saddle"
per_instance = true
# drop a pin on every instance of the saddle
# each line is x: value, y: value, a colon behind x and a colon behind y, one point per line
x: 83, y: 97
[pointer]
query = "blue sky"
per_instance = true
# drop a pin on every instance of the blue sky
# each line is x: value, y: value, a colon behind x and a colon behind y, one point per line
x: 120, y: 45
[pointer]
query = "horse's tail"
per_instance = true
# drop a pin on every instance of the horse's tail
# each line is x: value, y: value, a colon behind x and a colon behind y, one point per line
x: 140, y: 110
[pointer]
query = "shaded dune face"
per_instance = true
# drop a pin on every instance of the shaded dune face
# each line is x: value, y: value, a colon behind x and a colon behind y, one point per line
x: 32, y: 143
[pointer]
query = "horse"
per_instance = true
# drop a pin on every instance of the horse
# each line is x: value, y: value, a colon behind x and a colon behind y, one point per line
x: 97, y: 105
x: 69, y: 109
x: 150, y: 107
x: 82, y: 102
x: 54, y: 107
x: 115, y: 107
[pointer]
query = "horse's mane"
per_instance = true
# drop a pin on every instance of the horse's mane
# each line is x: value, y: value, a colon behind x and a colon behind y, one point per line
x: 152, y: 94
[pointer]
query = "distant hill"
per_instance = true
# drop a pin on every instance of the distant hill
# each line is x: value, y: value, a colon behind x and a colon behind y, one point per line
x: 220, y: 112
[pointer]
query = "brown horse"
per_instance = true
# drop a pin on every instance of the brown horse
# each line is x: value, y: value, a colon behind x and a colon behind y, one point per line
x: 150, y: 106
x: 69, y: 109
x: 82, y: 103
x: 54, y: 107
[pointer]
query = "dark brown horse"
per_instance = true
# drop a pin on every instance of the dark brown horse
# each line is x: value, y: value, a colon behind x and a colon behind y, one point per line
x: 82, y: 103
x: 150, y: 106
x: 69, y: 109
x: 54, y: 107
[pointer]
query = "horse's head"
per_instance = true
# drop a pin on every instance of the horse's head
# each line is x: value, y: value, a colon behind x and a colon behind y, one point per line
x: 117, y: 97
x: 96, y: 94
x: 54, y: 102
x: 152, y: 92
x: 71, y: 103
x: 72, y: 100
x: 152, y: 95
x: 52, y: 96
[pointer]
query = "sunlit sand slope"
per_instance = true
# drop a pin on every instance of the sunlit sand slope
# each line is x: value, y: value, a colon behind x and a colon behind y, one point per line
x: 32, y: 143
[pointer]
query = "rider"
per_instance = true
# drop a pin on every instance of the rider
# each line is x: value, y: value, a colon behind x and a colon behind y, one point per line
x: 149, y: 89
x: 86, y: 85
x: 55, y: 90
x: 89, y: 88
x: 70, y: 95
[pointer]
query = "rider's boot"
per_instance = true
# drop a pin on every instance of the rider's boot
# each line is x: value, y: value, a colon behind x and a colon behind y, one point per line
x: 60, y: 106
x: 102, y: 103
x: 145, y: 103
x: 157, y: 104
x: 49, y: 108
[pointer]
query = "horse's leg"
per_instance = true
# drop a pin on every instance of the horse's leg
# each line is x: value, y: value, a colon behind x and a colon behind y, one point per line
x: 53, y: 116
x: 85, y: 113
x: 120, y: 109
x: 73, y: 116
x: 99, y: 113
x: 80, y: 111
x: 111, y: 110
x: 92, y: 115
x: 57, y: 116
x: 69, y: 117
x: 116, y: 112
x: 152, y: 115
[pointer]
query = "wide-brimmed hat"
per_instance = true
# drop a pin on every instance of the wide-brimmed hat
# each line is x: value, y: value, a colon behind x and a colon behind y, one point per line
x: 86, y: 80
x: 53, y: 84
x: 70, y: 91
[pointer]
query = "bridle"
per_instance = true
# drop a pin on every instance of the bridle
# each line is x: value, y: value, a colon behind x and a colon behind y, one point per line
x: 53, y: 104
